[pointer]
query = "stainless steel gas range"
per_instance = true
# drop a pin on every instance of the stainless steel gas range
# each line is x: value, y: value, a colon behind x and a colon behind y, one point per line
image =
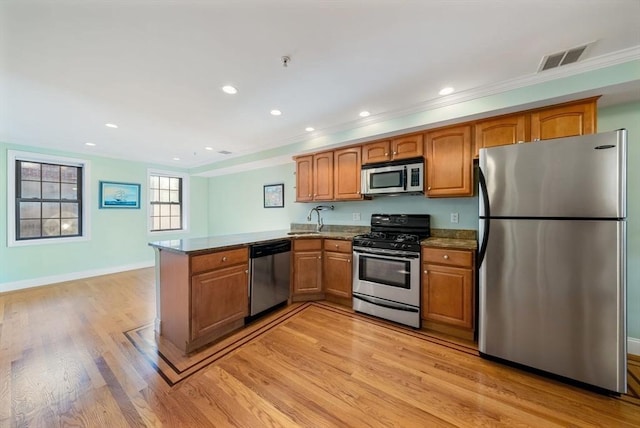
x: 386, y: 274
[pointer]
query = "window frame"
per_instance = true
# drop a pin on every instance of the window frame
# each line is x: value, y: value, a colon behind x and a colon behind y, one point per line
x: 85, y: 219
x: 184, y: 202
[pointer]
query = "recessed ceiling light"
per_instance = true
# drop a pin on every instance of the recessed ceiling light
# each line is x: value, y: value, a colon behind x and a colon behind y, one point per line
x: 110, y: 125
x: 176, y: 158
x: 446, y: 91
x: 228, y: 89
x: 364, y: 113
x: 309, y: 129
x: 208, y: 148
x: 276, y: 112
x: 90, y: 144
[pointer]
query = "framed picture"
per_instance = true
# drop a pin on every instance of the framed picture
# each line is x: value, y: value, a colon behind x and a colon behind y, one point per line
x: 119, y: 195
x: 274, y: 195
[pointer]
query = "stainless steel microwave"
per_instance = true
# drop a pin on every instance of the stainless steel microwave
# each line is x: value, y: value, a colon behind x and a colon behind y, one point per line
x: 395, y: 177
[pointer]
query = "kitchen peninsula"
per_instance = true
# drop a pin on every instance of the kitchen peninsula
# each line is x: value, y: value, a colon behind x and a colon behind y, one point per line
x: 202, y: 283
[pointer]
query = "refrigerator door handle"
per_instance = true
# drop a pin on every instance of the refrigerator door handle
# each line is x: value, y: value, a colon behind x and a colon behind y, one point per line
x: 484, y: 217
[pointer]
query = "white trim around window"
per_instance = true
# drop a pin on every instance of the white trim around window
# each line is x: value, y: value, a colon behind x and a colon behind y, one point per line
x: 184, y: 202
x: 12, y: 157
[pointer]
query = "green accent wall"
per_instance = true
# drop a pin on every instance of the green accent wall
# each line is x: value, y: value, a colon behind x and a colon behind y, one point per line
x: 609, y: 119
x: 119, y: 237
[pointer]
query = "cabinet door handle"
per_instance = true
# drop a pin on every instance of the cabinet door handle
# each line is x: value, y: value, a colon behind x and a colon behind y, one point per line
x: 446, y: 257
x: 424, y: 271
x: 337, y: 245
x: 429, y: 188
x: 386, y: 154
x: 224, y: 259
x: 309, y: 194
x: 395, y: 153
x: 348, y: 260
x: 319, y: 257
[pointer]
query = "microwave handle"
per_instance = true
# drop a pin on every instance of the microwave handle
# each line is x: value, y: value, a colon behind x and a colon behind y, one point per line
x: 405, y: 178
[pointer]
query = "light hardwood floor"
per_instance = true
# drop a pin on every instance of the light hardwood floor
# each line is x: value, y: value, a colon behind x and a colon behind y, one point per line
x: 65, y: 361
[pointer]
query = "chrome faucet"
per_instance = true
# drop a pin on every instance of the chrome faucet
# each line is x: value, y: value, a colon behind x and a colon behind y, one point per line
x: 317, y: 210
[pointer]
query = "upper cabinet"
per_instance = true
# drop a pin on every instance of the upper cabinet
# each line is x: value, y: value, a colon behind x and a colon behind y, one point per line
x: 314, y: 177
x: 323, y: 176
x: 304, y: 178
x: 501, y: 131
x: 449, y: 165
x: 329, y: 176
x: 346, y: 173
x: 565, y: 120
x: 405, y: 147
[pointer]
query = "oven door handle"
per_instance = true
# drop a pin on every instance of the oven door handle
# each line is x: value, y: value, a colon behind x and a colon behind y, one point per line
x: 390, y: 254
x: 385, y: 304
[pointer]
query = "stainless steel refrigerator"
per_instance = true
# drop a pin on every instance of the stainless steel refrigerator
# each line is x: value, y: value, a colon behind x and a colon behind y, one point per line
x: 553, y: 257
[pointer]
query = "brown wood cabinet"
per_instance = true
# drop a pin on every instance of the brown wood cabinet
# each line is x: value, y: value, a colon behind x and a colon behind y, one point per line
x: 337, y: 272
x: 346, y: 177
x: 314, y: 177
x: 202, y: 296
x: 448, y: 291
x: 565, y: 120
x: 404, y: 147
x: 501, y: 131
x: 304, y: 178
x: 307, y: 270
x: 329, y: 176
x: 449, y: 165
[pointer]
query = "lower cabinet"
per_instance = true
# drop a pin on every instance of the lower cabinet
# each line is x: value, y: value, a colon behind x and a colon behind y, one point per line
x: 337, y: 270
x: 218, y: 298
x: 203, y: 296
x: 307, y: 270
x: 448, y: 291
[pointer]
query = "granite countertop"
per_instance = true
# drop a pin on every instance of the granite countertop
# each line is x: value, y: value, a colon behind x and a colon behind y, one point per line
x: 461, y: 244
x: 452, y: 238
x: 440, y: 238
x: 194, y: 245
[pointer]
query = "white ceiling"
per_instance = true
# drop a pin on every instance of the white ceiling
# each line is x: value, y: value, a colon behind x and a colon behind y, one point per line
x: 155, y: 68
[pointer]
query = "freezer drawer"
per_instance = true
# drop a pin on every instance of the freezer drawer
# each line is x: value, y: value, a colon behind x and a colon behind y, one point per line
x: 552, y: 296
x: 568, y: 177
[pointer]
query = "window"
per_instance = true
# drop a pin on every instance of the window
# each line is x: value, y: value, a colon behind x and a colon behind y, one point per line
x: 167, y: 201
x: 46, y: 196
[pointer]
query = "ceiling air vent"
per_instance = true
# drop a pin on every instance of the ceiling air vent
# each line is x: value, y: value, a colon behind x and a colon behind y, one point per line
x: 562, y: 58
x: 224, y: 152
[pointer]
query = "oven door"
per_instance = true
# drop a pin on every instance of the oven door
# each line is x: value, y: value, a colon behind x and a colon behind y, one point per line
x: 387, y: 274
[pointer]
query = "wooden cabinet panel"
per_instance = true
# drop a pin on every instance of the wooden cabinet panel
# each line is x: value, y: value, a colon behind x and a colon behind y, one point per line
x: 219, y: 259
x: 448, y: 291
x: 407, y: 147
x: 449, y: 164
x: 347, y: 173
x: 304, y: 178
x: 337, y: 274
x: 500, y: 132
x: 307, y: 269
x: 564, y: 121
x: 449, y: 257
x: 448, y: 295
x: 323, y: 176
x: 218, y: 297
x: 337, y: 245
x: 379, y: 151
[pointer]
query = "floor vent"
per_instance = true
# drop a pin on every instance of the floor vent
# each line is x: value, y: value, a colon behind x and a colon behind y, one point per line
x: 562, y: 58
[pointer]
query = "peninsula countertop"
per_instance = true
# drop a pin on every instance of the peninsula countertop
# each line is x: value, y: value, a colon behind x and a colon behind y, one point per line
x: 194, y: 245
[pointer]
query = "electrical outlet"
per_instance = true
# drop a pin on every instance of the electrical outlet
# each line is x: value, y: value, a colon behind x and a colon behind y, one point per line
x: 454, y: 217
x: 356, y: 216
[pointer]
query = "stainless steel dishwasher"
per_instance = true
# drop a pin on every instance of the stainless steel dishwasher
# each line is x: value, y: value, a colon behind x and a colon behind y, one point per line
x: 270, y: 275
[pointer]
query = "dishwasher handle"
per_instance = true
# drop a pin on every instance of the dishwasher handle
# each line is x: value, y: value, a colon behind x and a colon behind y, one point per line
x: 270, y: 248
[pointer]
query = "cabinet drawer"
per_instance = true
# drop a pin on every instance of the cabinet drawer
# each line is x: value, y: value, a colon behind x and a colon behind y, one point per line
x: 307, y: 244
x: 337, y: 245
x: 218, y: 260
x: 446, y: 256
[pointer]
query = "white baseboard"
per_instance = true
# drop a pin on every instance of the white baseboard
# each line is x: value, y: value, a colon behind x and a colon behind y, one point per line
x: 633, y: 346
x: 46, y: 280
